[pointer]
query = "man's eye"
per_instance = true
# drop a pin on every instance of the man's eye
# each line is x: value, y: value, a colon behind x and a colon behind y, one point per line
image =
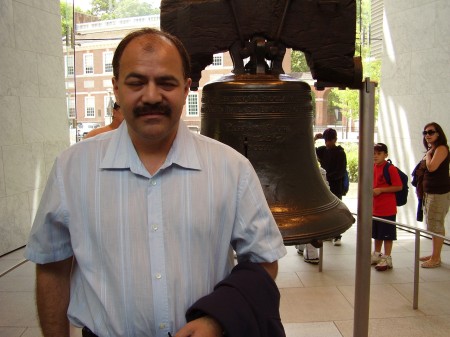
x: 134, y: 84
x: 168, y: 85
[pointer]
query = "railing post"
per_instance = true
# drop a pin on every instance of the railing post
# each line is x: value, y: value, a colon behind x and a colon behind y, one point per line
x: 416, y: 269
x: 364, y: 218
x: 320, y: 258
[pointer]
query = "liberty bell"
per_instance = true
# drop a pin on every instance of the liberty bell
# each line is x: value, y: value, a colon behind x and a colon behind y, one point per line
x: 267, y: 116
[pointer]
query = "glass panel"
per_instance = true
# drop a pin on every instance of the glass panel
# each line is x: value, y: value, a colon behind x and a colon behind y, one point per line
x: 91, y: 30
x: 66, y: 9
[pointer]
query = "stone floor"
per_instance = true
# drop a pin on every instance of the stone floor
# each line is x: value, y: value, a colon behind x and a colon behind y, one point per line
x: 313, y: 303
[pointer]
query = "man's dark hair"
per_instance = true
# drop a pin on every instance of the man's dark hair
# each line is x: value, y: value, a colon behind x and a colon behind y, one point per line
x: 186, y: 63
x: 329, y: 134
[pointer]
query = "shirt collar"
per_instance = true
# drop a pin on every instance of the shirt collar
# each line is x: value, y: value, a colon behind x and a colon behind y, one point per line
x: 121, y: 154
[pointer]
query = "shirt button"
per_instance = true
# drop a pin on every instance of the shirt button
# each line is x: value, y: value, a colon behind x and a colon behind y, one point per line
x: 162, y: 325
x: 155, y: 227
x: 158, y: 276
x: 152, y: 182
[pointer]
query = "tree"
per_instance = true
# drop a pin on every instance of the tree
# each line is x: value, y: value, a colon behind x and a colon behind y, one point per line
x: 130, y: 8
x: 114, y: 9
x: 66, y: 18
x: 298, y: 62
x: 103, y: 8
x: 66, y: 10
x: 348, y: 100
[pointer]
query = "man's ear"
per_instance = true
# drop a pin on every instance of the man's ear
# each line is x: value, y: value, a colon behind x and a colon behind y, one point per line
x: 187, y: 86
x: 115, y: 89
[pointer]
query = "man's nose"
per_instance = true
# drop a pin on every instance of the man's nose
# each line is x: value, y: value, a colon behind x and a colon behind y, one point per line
x: 151, y: 94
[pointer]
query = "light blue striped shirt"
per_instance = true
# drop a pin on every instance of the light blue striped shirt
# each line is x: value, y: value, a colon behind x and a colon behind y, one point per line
x: 147, y: 247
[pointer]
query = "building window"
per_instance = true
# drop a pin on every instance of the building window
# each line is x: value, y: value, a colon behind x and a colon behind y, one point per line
x: 70, y: 67
x: 88, y: 84
x: 107, y: 62
x: 89, y: 107
x: 217, y: 60
x: 71, y: 107
x: 88, y: 60
x: 192, y: 104
x: 107, y: 83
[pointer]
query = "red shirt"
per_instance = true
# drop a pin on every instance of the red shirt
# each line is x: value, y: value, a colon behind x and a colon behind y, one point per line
x: 385, y: 204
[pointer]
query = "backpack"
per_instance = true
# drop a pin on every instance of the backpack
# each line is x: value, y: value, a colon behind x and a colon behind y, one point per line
x: 402, y: 195
x: 345, y: 183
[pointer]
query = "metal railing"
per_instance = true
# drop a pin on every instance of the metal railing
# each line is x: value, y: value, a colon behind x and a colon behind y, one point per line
x: 418, y: 232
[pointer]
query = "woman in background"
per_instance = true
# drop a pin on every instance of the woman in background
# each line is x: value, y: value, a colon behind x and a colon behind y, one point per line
x: 436, y: 188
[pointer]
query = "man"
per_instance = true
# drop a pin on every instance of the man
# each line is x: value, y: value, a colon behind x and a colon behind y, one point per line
x: 117, y: 119
x: 333, y: 160
x: 137, y: 226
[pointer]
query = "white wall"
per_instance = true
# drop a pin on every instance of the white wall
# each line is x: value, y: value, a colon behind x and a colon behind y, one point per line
x: 415, y: 82
x: 33, y: 122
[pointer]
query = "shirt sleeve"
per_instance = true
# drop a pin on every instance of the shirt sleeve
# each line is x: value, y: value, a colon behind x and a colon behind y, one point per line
x: 395, y: 177
x: 256, y: 237
x: 49, y: 239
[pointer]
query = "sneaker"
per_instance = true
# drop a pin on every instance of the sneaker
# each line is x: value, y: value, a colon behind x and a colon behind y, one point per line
x: 310, y: 254
x: 312, y: 261
x: 375, y: 258
x: 300, y: 249
x: 384, y: 264
x: 336, y: 242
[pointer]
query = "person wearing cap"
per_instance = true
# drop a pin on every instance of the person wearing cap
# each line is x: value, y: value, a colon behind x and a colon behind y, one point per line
x: 117, y: 119
x: 385, y: 207
x: 333, y: 160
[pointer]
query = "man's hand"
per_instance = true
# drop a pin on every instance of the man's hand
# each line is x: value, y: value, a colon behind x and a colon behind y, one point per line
x: 201, y: 327
x: 271, y: 268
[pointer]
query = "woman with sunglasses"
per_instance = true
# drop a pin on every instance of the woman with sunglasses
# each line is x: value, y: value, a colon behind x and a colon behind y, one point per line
x: 436, y: 188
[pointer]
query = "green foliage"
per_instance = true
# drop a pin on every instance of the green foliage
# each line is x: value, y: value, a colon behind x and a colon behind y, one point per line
x: 115, y: 9
x: 66, y: 11
x: 298, y: 62
x: 348, y: 100
x: 351, y: 150
x: 103, y: 8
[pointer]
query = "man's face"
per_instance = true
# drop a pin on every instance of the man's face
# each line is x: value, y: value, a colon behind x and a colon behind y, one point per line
x: 379, y: 157
x: 151, y: 90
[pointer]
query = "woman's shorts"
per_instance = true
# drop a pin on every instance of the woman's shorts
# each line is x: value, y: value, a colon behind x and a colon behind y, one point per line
x: 384, y: 231
x: 435, y: 208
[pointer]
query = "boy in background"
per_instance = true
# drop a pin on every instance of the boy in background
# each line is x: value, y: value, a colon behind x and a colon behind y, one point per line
x: 385, y: 207
x: 333, y: 160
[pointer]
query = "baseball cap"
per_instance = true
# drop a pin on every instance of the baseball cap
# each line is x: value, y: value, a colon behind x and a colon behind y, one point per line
x: 380, y: 147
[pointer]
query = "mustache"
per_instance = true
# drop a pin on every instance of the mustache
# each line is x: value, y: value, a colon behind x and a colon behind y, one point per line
x: 149, y: 109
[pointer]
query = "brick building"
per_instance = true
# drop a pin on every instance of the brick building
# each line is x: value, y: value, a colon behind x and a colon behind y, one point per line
x: 88, y: 73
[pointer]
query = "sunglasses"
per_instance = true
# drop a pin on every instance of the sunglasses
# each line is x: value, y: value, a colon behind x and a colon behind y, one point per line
x: 429, y: 132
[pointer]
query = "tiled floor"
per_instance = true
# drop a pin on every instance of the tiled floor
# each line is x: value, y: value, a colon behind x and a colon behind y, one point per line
x: 313, y: 303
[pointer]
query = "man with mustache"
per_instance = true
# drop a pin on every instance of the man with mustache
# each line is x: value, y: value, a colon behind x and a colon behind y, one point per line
x: 136, y: 228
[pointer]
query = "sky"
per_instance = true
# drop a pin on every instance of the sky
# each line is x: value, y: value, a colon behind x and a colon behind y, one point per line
x: 86, y: 4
